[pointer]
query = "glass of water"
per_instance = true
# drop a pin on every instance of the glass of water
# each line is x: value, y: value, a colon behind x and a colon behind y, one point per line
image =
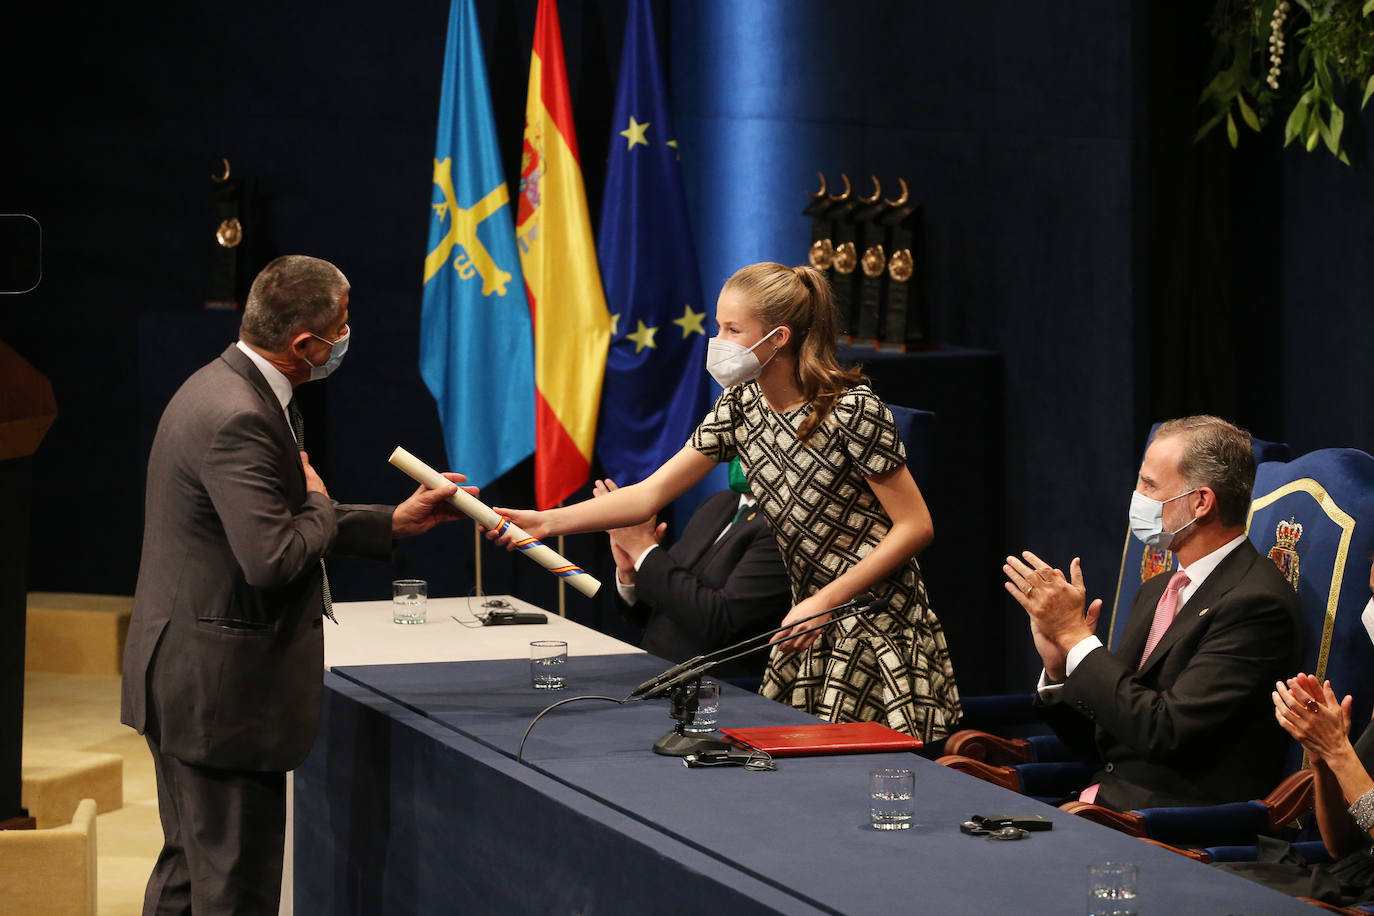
x: 548, y: 659
x: 1112, y: 889
x: 891, y: 799
x: 708, y: 708
x: 408, y: 597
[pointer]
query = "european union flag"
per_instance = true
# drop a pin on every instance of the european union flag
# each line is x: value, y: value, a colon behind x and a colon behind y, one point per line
x: 476, y: 344
x: 655, y: 391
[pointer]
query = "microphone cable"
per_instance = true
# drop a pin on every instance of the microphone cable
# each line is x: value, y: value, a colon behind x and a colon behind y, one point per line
x: 520, y: 754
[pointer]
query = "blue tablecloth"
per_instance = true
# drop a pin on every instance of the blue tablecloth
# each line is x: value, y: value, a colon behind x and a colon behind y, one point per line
x: 413, y: 795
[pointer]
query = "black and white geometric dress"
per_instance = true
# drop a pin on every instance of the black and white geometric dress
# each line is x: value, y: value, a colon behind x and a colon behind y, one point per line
x: 892, y: 668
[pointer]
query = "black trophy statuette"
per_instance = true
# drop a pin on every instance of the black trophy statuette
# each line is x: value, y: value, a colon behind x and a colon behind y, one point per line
x: 904, y: 323
x: 844, y: 273
x: 872, y: 238
x: 226, y: 255
x: 822, y: 253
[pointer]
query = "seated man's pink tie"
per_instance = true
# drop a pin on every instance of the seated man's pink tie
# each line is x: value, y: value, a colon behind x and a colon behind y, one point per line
x: 1164, y: 615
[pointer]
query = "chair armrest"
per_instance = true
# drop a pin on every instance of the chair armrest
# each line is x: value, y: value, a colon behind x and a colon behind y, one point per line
x: 1125, y: 821
x: 1210, y: 825
x: 998, y: 776
x: 988, y: 748
x: 1290, y: 798
x: 1313, y: 851
x: 1197, y: 855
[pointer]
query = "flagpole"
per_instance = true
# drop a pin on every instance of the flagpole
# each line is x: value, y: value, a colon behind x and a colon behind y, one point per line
x: 562, y: 588
x: 477, y: 554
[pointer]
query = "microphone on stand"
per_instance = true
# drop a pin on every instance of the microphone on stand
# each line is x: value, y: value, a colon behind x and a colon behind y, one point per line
x: 675, y: 681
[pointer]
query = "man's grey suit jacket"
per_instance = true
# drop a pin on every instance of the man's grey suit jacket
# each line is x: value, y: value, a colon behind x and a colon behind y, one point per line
x: 225, y: 653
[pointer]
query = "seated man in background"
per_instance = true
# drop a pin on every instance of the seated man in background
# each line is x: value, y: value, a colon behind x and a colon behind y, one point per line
x: 722, y: 582
x: 1180, y: 713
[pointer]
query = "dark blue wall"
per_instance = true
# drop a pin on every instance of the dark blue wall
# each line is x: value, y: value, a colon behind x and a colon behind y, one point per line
x: 1327, y: 277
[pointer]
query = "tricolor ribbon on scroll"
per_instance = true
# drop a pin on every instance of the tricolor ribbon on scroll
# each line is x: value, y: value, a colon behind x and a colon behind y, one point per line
x: 488, y: 518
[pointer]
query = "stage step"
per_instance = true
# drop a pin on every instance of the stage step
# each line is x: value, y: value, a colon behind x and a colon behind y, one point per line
x: 55, y: 780
x: 76, y: 634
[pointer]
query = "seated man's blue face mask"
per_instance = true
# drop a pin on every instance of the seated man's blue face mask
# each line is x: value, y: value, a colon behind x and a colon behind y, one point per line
x: 737, y: 482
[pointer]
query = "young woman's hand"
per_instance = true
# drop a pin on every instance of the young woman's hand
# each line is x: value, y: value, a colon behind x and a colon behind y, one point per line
x: 533, y: 523
x: 787, y: 640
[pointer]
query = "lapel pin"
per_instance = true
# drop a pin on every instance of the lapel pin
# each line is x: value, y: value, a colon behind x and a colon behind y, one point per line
x: 1203, y: 611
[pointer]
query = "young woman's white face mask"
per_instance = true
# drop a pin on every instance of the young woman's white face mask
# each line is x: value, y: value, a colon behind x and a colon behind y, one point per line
x: 730, y: 363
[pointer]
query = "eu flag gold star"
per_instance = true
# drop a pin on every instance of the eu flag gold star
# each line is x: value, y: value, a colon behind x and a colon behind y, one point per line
x: 690, y: 321
x: 615, y: 324
x: 643, y: 337
x: 635, y: 134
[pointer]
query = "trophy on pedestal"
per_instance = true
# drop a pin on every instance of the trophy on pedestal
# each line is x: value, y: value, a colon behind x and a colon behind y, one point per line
x: 904, y: 314
x: 870, y: 248
x: 822, y: 253
x: 872, y: 238
x: 226, y: 258
x: 843, y: 278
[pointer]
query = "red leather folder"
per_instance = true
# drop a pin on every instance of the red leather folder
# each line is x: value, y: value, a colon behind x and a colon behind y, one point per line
x: 823, y: 738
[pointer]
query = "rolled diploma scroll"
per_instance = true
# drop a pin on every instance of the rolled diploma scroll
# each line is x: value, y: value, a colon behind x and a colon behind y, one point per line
x: 487, y: 517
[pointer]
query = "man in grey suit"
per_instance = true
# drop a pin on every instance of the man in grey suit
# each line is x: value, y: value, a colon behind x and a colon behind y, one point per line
x: 225, y: 653
x: 1180, y: 713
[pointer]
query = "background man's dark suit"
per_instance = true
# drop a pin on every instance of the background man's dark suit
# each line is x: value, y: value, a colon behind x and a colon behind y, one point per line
x: 224, y: 659
x: 702, y: 594
x: 1197, y: 725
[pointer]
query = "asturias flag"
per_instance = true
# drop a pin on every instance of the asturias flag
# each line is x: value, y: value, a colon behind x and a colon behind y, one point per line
x: 656, y: 390
x: 571, y: 324
x: 476, y: 344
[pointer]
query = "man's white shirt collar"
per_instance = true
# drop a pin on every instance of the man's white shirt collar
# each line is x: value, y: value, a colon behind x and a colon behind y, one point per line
x: 279, y: 383
x: 1204, y: 566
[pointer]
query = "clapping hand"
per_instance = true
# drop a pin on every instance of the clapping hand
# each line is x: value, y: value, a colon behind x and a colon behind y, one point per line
x: 630, y: 542
x: 1308, y: 710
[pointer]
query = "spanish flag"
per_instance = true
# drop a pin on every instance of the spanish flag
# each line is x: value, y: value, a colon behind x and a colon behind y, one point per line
x: 572, y: 327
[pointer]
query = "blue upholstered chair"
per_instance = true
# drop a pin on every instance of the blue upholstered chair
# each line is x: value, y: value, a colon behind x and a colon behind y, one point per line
x: 1314, y: 517
x: 917, y: 429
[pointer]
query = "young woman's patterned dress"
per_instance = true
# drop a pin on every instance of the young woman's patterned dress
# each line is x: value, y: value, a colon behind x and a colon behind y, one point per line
x: 892, y: 668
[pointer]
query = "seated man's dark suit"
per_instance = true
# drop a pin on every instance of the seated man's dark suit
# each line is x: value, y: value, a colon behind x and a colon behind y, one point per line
x: 1196, y: 724
x: 702, y: 594
x: 223, y: 667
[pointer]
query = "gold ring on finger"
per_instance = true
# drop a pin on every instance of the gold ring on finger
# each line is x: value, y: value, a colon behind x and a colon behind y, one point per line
x: 1029, y: 589
x: 1312, y: 706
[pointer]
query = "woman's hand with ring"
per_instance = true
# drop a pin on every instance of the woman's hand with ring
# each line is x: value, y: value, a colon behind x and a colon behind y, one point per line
x: 1308, y: 710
